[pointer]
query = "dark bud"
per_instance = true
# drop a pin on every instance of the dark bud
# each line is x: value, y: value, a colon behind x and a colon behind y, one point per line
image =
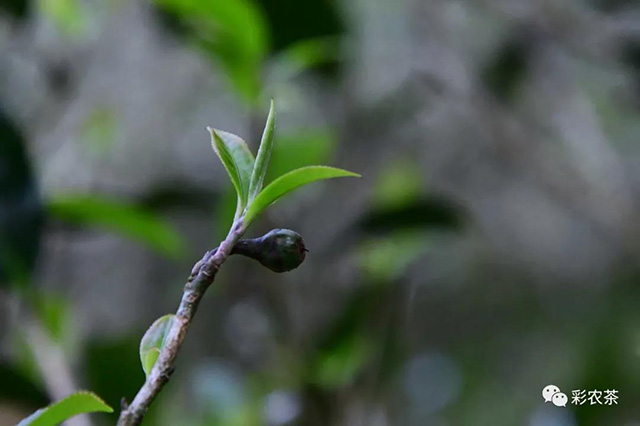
x: 280, y: 250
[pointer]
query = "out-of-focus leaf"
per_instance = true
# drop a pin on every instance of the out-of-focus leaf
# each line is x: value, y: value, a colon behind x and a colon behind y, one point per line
x: 21, y: 215
x: 52, y: 330
x: 311, y: 52
x: 264, y: 154
x: 345, y: 347
x: 67, y: 15
x: 99, y: 130
x: 630, y: 54
x: 125, y: 219
x: 232, y: 31
x: 153, y: 341
x: 339, y: 367
x: 433, y: 212
x: 611, y: 6
x: 237, y: 160
x: 387, y: 257
x: 74, y: 404
x: 17, y: 8
x: 290, y: 181
x: 506, y: 70
x: 220, y: 392
x: 305, y: 55
x: 180, y: 194
x: 18, y: 387
x: 56, y: 317
x: 291, y: 21
x: 112, y: 366
x: 23, y: 356
x: 399, y: 184
x: 300, y: 149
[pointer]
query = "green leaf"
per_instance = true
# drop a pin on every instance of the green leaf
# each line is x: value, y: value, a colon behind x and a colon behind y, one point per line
x: 287, y: 183
x: 304, y: 55
x: 150, y: 358
x: 264, y: 154
x: 232, y: 32
x: 341, y: 364
x: 126, y: 219
x: 237, y: 160
x: 67, y: 15
x: 399, y: 184
x: 56, y: 316
x: 388, y: 257
x: 74, y: 404
x: 153, y: 341
x: 100, y: 131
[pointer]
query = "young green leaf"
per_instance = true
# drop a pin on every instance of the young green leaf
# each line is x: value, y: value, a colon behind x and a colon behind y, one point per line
x: 237, y: 160
x: 287, y: 183
x: 264, y: 154
x: 74, y: 404
x: 153, y: 340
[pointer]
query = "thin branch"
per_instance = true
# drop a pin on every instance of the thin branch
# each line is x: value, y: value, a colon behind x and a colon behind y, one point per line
x: 53, y: 366
x: 202, y: 276
x: 50, y: 359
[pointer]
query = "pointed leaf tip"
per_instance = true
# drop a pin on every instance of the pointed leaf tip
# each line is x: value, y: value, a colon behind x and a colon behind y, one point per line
x: 290, y: 181
x: 72, y: 405
x: 264, y: 155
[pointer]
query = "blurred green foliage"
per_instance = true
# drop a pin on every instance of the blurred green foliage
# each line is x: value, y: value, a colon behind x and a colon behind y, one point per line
x: 67, y: 15
x: 126, y: 219
x: 361, y: 351
x: 291, y: 21
x: 299, y: 149
x: 16, y: 8
x: 99, y: 130
x: 112, y: 367
x: 17, y: 387
x: 55, y: 314
x: 21, y: 216
x: 232, y: 32
x: 505, y: 72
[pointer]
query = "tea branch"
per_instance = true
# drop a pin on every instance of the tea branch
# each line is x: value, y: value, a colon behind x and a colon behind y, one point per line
x: 202, y: 275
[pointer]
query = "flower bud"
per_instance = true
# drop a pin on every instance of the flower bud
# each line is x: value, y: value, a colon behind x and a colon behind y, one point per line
x: 280, y: 250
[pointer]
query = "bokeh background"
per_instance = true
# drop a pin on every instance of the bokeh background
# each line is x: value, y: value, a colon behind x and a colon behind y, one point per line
x: 490, y: 249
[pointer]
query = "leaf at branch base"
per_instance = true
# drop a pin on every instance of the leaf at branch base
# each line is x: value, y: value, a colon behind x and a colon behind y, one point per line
x: 74, y: 404
x: 264, y: 154
x: 288, y: 182
x: 236, y: 159
x: 153, y: 341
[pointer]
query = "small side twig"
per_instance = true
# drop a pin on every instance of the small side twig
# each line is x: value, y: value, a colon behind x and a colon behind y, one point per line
x: 202, y: 276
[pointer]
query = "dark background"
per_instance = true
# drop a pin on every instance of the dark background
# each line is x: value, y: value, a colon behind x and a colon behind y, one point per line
x: 490, y: 249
